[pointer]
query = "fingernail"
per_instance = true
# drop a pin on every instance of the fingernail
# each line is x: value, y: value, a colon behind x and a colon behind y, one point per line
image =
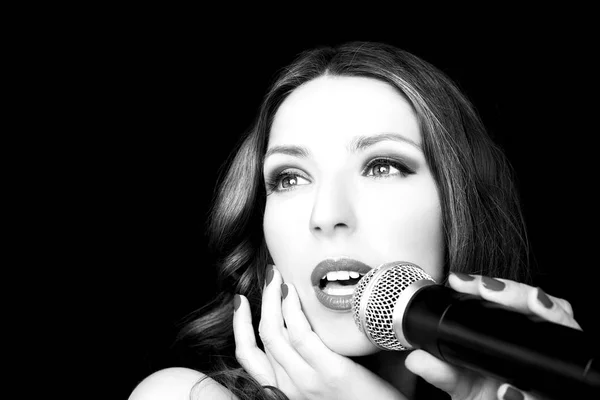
x: 544, y: 299
x: 512, y: 394
x: 284, y: 290
x: 492, y: 284
x: 464, y: 277
x: 269, y: 274
x: 236, y: 302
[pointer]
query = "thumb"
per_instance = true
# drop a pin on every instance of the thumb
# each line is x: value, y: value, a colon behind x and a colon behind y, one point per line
x: 435, y: 371
x: 458, y: 382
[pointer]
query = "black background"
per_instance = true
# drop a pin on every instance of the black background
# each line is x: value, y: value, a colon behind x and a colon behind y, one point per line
x: 174, y: 98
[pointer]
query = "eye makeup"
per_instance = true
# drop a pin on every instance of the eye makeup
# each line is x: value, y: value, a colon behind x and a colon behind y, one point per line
x: 381, y: 167
x: 284, y: 179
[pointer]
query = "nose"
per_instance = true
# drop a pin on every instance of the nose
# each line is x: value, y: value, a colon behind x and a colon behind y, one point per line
x: 333, y: 209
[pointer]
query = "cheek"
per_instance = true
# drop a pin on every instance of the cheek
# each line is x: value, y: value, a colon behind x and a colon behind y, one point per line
x: 408, y: 228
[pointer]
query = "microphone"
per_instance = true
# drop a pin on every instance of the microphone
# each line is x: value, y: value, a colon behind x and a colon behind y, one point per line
x: 398, y: 306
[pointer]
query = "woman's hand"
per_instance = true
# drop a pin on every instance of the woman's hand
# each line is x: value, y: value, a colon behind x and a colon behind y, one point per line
x: 466, y: 385
x: 295, y: 359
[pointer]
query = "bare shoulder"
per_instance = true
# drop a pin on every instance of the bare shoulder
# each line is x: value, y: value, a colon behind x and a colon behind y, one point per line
x: 179, y: 384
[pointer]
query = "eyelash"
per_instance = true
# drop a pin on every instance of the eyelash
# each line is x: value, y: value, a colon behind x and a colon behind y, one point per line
x: 273, y: 181
x: 400, y: 166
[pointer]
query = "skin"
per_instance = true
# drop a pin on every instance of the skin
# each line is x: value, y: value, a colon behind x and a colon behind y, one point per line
x: 337, y: 209
x: 340, y: 205
x: 328, y: 204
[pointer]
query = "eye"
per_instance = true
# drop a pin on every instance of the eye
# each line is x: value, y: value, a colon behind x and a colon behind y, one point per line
x: 286, y: 180
x: 386, y: 167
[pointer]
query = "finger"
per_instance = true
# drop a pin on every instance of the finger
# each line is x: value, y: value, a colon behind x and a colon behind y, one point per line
x: 276, y: 367
x: 271, y: 326
x: 250, y: 357
x: 561, y: 303
x: 508, y: 392
x: 301, y: 336
x: 274, y: 335
x: 271, y: 301
x: 503, y: 291
x: 465, y: 283
x: 455, y: 381
x: 519, y: 296
x: 284, y: 381
x: 551, y: 308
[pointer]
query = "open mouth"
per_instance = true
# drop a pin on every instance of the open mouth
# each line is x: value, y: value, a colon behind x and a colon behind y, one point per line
x: 335, y: 279
x: 340, y: 283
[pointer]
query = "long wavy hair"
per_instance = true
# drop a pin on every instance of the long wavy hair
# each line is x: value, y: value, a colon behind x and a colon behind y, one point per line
x: 482, y: 221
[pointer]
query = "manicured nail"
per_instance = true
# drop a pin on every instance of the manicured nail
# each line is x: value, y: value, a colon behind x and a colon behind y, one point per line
x: 512, y: 394
x: 269, y: 275
x: 544, y: 299
x: 492, y: 284
x: 464, y: 277
x: 284, y: 290
x: 236, y: 302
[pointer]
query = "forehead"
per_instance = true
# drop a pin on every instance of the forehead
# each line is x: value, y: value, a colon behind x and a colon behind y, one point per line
x: 334, y: 107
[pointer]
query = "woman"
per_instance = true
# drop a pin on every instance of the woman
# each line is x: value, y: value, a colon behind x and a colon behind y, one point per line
x: 360, y: 155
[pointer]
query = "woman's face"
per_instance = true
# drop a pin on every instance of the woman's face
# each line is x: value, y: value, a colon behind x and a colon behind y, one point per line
x: 348, y: 189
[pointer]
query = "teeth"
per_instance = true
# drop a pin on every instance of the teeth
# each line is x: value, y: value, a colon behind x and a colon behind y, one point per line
x: 332, y: 276
x: 341, y: 275
x: 340, y: 291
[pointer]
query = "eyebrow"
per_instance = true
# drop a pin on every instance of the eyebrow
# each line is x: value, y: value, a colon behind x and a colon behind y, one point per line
x: 296, y: 151
x: 362, y: 142
x: 358, y: 143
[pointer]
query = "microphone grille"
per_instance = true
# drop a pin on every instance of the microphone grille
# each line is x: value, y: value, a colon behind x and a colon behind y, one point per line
x: 375, y: 297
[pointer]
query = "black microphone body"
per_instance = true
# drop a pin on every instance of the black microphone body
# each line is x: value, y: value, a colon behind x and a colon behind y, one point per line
x: 400, y: 307
x: 534, y: 355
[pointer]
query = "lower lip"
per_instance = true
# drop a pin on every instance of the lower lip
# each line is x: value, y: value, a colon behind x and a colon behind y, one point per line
x: 337, y: 303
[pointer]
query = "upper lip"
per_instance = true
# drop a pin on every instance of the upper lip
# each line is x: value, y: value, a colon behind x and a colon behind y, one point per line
x: 337, y: 264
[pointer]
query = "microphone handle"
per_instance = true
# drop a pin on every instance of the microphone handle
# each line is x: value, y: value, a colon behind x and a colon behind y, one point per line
x: 548, y: 359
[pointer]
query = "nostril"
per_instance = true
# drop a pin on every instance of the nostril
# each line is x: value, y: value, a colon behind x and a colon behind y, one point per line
x: 330, y: 228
